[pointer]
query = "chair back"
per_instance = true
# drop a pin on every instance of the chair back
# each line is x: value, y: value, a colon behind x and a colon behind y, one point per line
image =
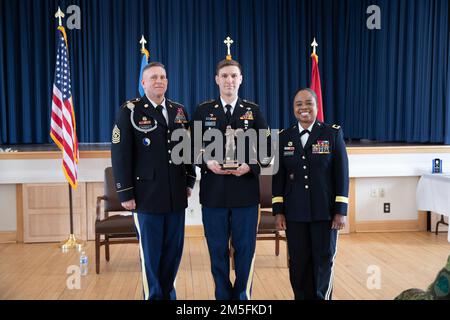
x: 112, y: 202
x: 265, y: 191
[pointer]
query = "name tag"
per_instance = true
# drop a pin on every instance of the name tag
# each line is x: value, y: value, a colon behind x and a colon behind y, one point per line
x: 288, y: 153
x: 210, y: 123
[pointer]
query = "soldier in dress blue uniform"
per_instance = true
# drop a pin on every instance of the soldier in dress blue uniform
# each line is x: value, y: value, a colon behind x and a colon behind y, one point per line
x: 230, y: 198
x: 310, y: 197
x: 149, y: 183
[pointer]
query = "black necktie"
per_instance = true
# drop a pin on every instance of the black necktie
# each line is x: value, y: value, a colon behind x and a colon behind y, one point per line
x: 228, y: 113
x: 304, y: 132
x: 160, y: 110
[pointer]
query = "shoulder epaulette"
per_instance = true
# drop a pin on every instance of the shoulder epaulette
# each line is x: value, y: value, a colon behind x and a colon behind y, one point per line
x: 250, y: 103
x: 335, y: 126
x: 206, y: 102
x: 133, y: 101
x: 174, y: 103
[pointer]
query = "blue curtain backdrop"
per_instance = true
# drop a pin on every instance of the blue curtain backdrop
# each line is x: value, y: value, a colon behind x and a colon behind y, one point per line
x: 391, y: 84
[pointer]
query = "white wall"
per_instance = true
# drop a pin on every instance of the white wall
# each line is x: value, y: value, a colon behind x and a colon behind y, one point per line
x: 8, y: 207
x: 397, y: 174
x: 372, y: 193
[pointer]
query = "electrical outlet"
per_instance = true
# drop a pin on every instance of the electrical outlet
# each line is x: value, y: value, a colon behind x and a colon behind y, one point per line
x: 387, y: 207
x: 373, y: 192
x: 381, y: 192
x: 190, y: 212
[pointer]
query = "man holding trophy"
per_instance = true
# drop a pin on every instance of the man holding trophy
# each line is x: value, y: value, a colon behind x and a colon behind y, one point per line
x: 229, y: 188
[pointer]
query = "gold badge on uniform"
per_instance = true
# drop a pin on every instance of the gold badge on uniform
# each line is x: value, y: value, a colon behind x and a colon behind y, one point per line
x: 180, y: 117
x: 247, y: 116
x: 321, y: 147
x: 116, y: 135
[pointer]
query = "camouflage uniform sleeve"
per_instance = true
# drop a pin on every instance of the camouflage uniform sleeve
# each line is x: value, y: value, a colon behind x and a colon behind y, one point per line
x: 122, y: 155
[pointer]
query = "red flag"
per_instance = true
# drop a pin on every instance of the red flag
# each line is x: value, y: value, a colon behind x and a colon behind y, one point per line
x: 315, y: 85
x: 63, y: 129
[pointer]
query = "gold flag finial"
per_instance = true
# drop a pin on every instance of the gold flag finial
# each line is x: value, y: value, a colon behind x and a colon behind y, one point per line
x: 228, y: 41
x: 314, y: 45
x: 143, y: 42
x: 143, y: 50
x: 59, y: 15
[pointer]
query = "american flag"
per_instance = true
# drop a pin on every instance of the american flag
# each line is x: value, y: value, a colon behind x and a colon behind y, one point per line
x: 63, y: 130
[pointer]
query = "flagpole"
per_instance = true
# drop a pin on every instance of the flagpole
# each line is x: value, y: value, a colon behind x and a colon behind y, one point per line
x: 70, y: 209
x: 71, y: 242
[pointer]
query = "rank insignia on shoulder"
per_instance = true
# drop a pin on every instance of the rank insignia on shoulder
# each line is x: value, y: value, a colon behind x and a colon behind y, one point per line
x: 116, y: 135
x: 335, y: 126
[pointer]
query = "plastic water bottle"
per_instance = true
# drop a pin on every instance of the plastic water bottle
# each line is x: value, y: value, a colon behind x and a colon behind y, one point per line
x: 83, y: 263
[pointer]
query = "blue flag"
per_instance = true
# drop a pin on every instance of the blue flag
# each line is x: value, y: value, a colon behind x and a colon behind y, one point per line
x: 144, y: 62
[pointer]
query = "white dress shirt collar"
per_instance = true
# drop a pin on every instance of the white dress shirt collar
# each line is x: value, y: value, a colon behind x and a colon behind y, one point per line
x: 304, y: 138
x: 232, y: 104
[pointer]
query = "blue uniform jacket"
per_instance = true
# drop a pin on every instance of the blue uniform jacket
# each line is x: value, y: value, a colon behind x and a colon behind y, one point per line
x: 228, y: 191
x: 312, y: 182
x: 141, y: 161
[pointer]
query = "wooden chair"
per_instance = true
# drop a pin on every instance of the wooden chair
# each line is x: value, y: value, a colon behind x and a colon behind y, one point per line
x: 266, y: 226
x: 115, y: 229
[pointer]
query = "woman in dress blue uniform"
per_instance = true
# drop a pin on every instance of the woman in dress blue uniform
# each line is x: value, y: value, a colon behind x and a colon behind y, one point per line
x: 310, y: 197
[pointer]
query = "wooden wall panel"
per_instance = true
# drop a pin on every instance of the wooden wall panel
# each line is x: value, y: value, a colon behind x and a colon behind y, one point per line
x: 46, y: 212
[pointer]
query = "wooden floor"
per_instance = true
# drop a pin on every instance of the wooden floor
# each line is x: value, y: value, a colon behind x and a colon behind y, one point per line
x: 405, y: 260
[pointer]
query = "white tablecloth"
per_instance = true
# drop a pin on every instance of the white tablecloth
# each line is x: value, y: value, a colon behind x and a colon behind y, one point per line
x: 433, y: 194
